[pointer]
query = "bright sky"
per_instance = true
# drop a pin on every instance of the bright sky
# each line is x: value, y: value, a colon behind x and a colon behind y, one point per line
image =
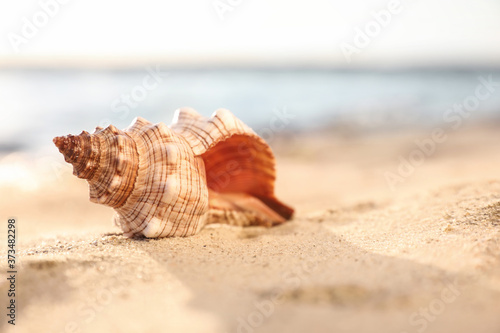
x: 283, y: 32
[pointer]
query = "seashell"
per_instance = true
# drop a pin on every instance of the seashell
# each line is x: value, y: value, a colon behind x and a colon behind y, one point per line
x: 171, y: 181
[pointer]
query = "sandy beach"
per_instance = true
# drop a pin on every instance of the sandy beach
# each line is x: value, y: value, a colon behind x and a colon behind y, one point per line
x: 362, y: 254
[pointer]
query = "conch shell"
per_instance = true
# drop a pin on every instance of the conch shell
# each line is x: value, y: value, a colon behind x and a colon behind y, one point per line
x: 171, y: 181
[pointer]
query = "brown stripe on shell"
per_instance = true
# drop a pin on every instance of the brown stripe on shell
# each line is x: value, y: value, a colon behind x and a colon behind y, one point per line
x: 112, y: 184
x: 107, y: 159
x: 159, y: 207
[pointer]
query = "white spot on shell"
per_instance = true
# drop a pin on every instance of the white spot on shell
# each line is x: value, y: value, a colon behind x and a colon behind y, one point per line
x: 171, y: 189
x: 154, y: 226
x: 116, y: 181
x: 172, y: 153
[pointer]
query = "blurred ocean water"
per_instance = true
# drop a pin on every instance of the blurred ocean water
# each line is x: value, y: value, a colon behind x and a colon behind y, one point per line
x: 37, y: 105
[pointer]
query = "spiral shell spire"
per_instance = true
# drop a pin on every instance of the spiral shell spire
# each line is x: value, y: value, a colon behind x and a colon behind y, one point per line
x: 107, y: 159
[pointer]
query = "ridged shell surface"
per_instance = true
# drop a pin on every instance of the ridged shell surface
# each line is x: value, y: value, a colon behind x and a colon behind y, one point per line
x: 171, y: 181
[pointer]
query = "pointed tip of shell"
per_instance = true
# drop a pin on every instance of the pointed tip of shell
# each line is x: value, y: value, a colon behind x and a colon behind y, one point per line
x: 61, y: 142
x: 71, y: 146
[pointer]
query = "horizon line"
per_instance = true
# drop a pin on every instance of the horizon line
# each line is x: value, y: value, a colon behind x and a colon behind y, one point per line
x: 131, y: 63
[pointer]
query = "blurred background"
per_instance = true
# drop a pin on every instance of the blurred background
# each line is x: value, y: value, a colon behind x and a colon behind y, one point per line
x: 359, y: 66
x: 349, y: 94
